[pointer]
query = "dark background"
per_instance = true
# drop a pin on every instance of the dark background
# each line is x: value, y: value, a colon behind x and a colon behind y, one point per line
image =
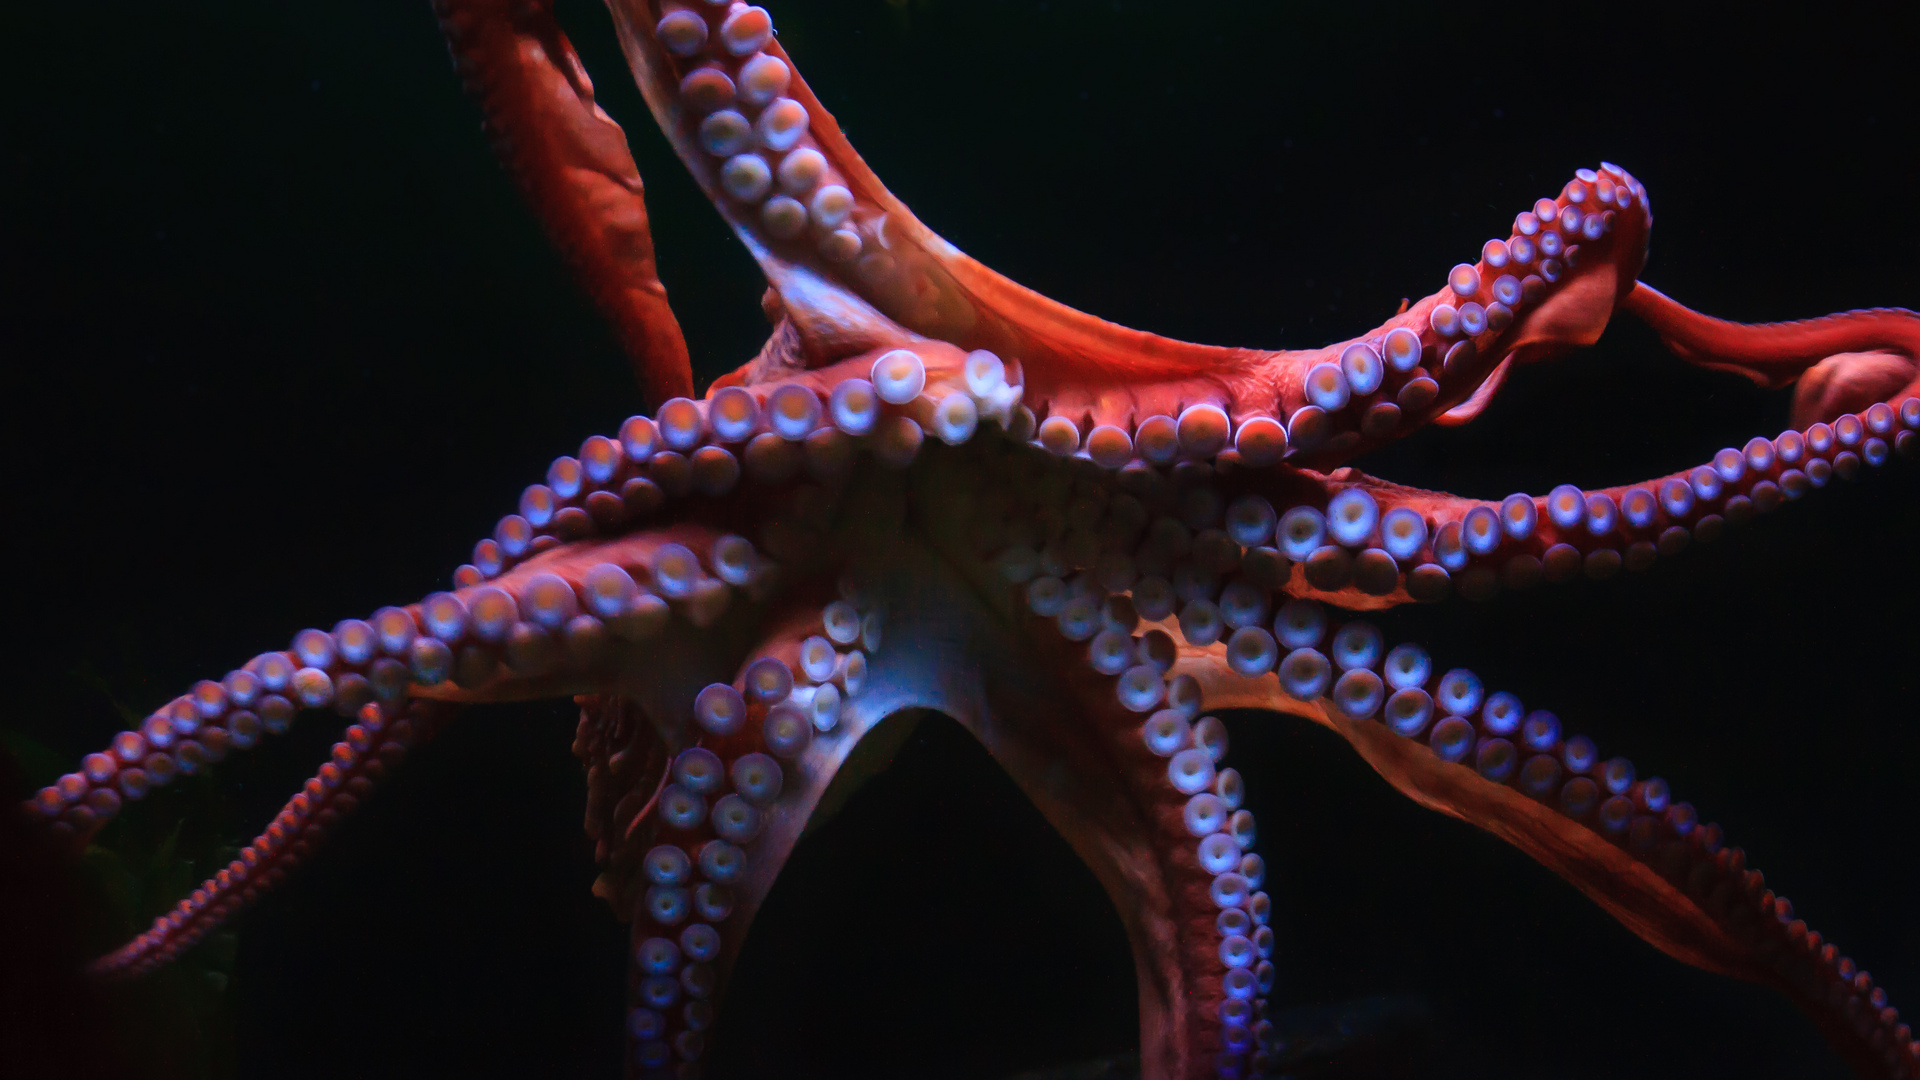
x: 280, y: 342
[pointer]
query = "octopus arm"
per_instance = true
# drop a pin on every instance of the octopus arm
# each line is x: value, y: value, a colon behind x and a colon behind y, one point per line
x: 1842, y: 362
x: 1620, y: 839
x: 572, y: 162
x: 1142, y: 681
x: 1110, y: 795
x: 776, y: 165
x: 1481, y: 546
x: 850, y: 266
x: 368, y: 750
x: 691, y: 858
x: 570, y: 620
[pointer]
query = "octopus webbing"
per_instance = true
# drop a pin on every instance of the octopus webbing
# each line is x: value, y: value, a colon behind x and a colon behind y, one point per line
x: 932, y: 489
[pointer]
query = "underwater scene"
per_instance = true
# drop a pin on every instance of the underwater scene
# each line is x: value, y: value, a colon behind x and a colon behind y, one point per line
x: 960, y: 540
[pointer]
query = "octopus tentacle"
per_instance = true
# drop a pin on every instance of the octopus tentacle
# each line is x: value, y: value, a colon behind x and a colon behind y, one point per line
x: 369, y: 749
x: 689, y: 864
x: 572, y: 161
x: 764, y: 434
x: 1647, y: 859
x: 822, y: 226
x: 525, y: 635
x: 567, y: 602
x: 731, y: 803
x: 538, y: 630
x: 1365, y: 543
x: 1161, y: 827
x: 1550, y: 285
x: 1524, y: 539
x: 359, y: 664
x: 1130, y: 594
x: 557, y: 587
x: 1138, y: 785
x: 849, y: 261
x: 1843, y: 362
x: 557, y: 626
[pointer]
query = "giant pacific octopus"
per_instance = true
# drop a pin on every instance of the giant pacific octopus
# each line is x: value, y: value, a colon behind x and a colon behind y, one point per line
x: 935, y: 489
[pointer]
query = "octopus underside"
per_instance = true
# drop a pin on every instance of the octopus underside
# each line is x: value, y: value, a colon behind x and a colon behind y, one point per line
x: 935, y: 492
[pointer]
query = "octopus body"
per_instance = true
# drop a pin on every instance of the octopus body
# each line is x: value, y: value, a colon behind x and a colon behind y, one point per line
x: 933, y: 489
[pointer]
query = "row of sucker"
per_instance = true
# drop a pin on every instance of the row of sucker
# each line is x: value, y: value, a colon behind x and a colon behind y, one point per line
x: 546, y: 621
x: 763, y: 157
x: 702, y: 824
x: 1346, y: 667
x: 767, y: 164
x: 1133, y: 553
x: 1180, y: 749
x: 525, y: 628
x: 549, y: 623
x: 1379, y: 542
x: 373, y: 745
x: 1137, y: 574
x: 1569, y: 532
x: 365, y: 669
x: 769, y: 434
x: 1217, y: 831
x: 1386, y: 384
x: 377, y: 741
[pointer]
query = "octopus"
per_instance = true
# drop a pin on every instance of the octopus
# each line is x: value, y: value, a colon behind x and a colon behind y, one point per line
x: 1110, y: 556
